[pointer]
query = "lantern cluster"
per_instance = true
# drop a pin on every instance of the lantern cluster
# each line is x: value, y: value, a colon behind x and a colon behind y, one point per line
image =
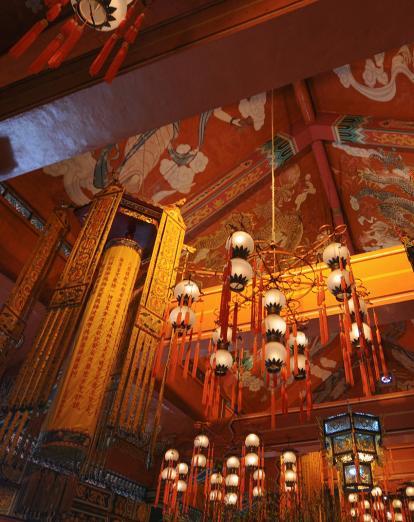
x: 409, y: 492
x: 232, y: 482
x: 353, y: 443
x: 221, y: 359
x: 275, y: 329
x: 182, y: 317
x: 335, y: 256
x: 171, y: 478
x: 288, y: 471
x: 241, y: 246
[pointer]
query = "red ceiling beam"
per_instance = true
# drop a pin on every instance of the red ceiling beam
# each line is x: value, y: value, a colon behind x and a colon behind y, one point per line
x: 213, y: 57
x: 304, y: 102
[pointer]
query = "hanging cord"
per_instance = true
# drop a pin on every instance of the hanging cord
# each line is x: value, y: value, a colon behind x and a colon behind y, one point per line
x: 273, y: 173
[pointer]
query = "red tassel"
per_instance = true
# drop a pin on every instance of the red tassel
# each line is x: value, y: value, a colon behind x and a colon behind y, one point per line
x: 28, y: 39
x: 273, y: 403
x: 40, y: 62
x: 106, y: 50
x: 65, y: 49
x: 235, y: 316
x: 119, y: 59
x: 380, y: 348
x: 287, y: 362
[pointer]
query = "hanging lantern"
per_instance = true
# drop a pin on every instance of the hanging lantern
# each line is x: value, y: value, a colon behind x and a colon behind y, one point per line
x: 101, y: 15
x: 216, y: 479
x: 242, y: 244
x: 258, y: 491
x: 351, y: 438
x: 221, y: 361
x: 185, y: 291
x: 251, y: 460
x: 334, y: 284
x: 241, y: 273
x: 301, y: 341
x: 354, y: 334
x: 252, y: 441
x: 396, y: 503
x: 290, y: 478
x: 182, y: 318
x: 171, y: 455
x: 366, y: 517
x: 411, y: 505
x: 409, y: 491
x: 233, y: 463
x: 182, y: 469
x: 168, y: 474
x: 274, y: 301
x: 275, y: 355
x: 301, y: 374
x: 201, y: 441
x: 230, y: 499
x: 333, y: 253
x: 362, y: 308
x: 275, y: 327
x: 216, y: 495
x: 199, y: 461
x: 181, y: 486
x: 352, y: 498
x: 353, y: 512
x: 367, y: 505
x: 232, y: 480
x: 259, y: 474
x: 289, y: 457
x: 219, y: 340
x: 347, y: 431
x: 376, y: 492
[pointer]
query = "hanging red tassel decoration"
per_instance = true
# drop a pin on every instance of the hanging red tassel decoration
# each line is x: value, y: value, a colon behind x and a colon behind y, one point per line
x: 308, y: 385
x: 75, y: 33
x: 197, y: 348
x: 273, y: 402
x: 323, y: 320
x: 41, y: 61
x: 374, y: 352
x: 287, y: 362
x: 109, y: 45
x: 384, y: 367
x: 253, y: 307
x: 284, y: 392
x: 31, y: 36
x: 129, y: 38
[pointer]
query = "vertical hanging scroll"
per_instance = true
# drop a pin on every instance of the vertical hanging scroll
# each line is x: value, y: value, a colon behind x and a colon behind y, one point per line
x: 17, y: 307
x: 72, y: 421
x: 39, y: 373
x: 136, y: 381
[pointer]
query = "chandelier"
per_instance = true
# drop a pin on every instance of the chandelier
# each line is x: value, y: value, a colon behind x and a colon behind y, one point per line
x: 122, y: 18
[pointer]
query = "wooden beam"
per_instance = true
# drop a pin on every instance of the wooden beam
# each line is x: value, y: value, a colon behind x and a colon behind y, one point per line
x: 213, y: 57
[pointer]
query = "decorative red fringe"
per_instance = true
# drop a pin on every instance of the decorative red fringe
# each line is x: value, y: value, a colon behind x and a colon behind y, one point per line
x: 384, y: 367
x: 273, y: 403
x: 75, y: 33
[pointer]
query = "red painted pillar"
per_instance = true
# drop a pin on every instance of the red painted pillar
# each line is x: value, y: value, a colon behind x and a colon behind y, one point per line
x: 305, y: 104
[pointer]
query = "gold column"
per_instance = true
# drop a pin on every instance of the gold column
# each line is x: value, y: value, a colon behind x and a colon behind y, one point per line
x: 14, y: 312
x: 71, y: 423
x: 136, y: 384
x: 39, y: 372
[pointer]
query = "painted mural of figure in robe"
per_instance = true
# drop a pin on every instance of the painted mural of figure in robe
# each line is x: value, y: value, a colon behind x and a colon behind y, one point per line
x: 174, y: 156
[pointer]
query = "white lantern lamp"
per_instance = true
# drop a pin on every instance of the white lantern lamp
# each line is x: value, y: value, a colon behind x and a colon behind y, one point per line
x: 333, y: 253
x: 354, y: 334
x: 274, y: 301
x: 182, y: 318
x: 242, y: 244
x: 201, y: 441
x: 251, y: 460
x: 301, y: 341
x: 221, y: 361
x: 172, y: 455
x: 334, y: 284
x: 301, y: 375
x: 241, y: 273
x: 232, y: 463
x: 185, y: 291
x: 182, y: 469
x: 199, y: 461
x: 252, y: 441
x: 275, y: 355
x: 275, y: 327
x: 219, y: 340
